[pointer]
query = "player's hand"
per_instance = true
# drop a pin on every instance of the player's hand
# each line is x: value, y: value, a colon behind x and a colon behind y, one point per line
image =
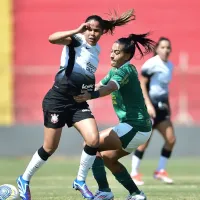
x: 151, y: 111
x: 83, y: 27
x: 82, y: 97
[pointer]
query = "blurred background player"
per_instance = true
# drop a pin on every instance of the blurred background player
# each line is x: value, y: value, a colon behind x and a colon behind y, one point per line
x: 155, y: 79
x: 79, y: 62
x: 135, y: 125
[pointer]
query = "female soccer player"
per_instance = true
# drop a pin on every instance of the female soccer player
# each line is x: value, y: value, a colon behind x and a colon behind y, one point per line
x: 79, y: 61
x: 135, y: 124
x: 156, y: 76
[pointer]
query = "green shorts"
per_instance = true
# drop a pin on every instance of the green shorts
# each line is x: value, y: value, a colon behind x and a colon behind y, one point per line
x: 131, y: 137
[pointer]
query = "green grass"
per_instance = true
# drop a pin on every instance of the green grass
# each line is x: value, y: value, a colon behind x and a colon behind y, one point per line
x: 54, y: 180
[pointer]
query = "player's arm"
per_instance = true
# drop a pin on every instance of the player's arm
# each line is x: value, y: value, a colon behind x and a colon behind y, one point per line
x: 144, y: 81
x: 113, y: 83
x: 104, y: 81
x: 98, y: 86
x: 104, y: 91
x: 147, y: 72
x: 110, y: 84
x: 65, y: 37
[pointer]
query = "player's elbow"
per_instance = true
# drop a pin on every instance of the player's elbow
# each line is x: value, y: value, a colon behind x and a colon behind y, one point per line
x: 111, y: 88
x: 52, y: 40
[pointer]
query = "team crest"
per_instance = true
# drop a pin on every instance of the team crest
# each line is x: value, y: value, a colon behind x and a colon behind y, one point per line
x: 54, y: 118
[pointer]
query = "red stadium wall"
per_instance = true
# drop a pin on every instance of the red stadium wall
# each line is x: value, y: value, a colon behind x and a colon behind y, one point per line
x: 36, y: 61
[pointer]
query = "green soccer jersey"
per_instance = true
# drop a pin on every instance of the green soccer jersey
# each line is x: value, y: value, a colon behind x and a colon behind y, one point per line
x: 128, y: 101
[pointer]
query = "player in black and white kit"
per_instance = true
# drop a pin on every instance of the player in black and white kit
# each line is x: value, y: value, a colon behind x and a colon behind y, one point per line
x: 156, y: 76
x: 79, y: 62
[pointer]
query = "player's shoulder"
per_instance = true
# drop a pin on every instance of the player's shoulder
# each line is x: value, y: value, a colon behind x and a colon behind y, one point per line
x: 170, y: 64
x: 126, y: 66
x: 79, y: 37
x: 78, y: 40
x: 129, y: 69
x: 152, y: 60
x: 95, y: 48
x: 98, y: 48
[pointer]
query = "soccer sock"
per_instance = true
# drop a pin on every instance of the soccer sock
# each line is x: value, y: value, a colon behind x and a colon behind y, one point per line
x: 125, y: 179
x: 38, y: 159
x: 87, y: 159
x: 165, y: 155
x: 99, y: 173
x: 136, y: 158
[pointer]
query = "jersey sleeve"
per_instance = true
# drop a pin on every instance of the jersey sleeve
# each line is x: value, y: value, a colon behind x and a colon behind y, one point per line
x: 78, y: 40
x: 148, y: 68
x: 106, y: 79
x: 120, y: 78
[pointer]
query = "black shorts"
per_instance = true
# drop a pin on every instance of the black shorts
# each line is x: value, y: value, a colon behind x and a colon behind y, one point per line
x: 162, y: 112
x: 59, y: 109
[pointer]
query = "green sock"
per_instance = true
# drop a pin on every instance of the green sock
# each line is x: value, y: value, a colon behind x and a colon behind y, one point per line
x: 99, y: 173
x: 125, y: 179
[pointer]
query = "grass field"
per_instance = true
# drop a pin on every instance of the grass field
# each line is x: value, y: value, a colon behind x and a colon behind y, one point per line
x: 54, y: 180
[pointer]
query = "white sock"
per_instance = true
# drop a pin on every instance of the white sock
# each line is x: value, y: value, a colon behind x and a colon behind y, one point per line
x: 35, y: 163
x: 162, y: 163
x: 135, y: 165
x: 85, y: 164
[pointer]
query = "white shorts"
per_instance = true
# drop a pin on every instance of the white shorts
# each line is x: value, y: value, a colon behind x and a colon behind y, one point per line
x: 130, y: 137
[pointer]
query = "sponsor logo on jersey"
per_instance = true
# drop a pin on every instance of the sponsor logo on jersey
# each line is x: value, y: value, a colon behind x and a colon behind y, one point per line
x: 85, y: 110
x: 54, y: 118
x: 86, y: 87
x: 90, y: 68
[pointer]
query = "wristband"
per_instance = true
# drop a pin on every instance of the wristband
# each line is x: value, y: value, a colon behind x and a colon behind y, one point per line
x: 95, y: 94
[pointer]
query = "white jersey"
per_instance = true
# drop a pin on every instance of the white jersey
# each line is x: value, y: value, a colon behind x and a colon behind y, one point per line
x: 79, y: 62
x: 86, y: 57
x: 160, y: 75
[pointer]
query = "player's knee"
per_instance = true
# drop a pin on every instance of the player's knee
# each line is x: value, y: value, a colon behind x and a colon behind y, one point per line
x: 171, y: 141
x: 93, y: 141
x: 110, y: 159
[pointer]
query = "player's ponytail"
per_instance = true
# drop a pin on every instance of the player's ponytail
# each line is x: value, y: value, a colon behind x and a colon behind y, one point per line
x: 136, y: 42
x: 108, y: 26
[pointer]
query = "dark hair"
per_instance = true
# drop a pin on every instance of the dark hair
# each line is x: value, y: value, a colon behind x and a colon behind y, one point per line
x: 108, y: 26
x: 159, y: 41
x: 133, y: 42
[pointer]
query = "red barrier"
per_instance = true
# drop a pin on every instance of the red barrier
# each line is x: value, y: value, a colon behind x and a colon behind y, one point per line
x: 34, y: 56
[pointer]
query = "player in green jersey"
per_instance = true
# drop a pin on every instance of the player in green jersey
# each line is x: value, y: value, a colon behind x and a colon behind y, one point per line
x: 135, y: 124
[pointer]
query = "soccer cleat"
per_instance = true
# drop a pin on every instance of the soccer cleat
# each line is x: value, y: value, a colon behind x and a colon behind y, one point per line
x: 135, y: 196
x: 162, y: 175
x: 138, y: 179
x: 100, y: 195
x: 24, y: 189
x: 82, y: 187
